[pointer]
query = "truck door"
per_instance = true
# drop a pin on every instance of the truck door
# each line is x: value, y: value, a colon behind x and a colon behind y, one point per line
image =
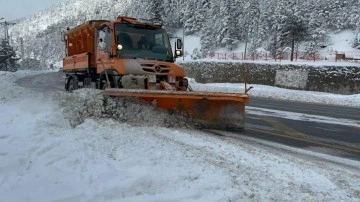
x: 104, y: 58
x: 105, y: 40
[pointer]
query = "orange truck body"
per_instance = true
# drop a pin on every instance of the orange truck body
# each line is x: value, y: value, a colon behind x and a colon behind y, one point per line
x: 111, y: 55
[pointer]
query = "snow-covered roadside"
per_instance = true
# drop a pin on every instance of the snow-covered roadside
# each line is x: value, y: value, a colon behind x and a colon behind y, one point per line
x: 281, y: 94
x: 43, y: 158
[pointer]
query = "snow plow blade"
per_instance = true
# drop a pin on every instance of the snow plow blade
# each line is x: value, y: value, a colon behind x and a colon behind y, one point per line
x: 210, y: 110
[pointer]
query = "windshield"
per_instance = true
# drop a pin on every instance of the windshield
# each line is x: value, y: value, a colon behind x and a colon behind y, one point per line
x: 143, y: 42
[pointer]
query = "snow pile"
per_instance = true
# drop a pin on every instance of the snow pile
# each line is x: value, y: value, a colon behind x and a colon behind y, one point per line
x: 86, y: 103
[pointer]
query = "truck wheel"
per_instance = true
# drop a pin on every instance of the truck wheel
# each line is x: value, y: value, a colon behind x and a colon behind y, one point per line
x: 72, y: 85
x: 103, y: 84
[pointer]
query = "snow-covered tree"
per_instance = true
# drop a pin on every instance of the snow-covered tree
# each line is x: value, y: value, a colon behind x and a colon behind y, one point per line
x: 155, y: 9
x: 229, y: 33
x: 294, y: 30
x: 218, y: 23
x: 207, y: 38
x: 190, y: 18
x: 8, y: 59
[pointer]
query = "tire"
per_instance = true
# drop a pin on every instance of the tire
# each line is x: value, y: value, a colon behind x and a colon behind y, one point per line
x: 102, y: 83
x: 72, y: 85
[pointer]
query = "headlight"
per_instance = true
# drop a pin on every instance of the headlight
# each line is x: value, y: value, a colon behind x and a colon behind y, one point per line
x: 178, y: 52
x: 119, y: 47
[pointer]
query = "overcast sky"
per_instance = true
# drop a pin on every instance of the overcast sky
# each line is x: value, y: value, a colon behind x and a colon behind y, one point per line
x: 13, y: 9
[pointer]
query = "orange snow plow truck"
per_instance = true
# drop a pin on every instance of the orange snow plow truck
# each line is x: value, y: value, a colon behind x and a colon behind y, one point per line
x: 129, y: 58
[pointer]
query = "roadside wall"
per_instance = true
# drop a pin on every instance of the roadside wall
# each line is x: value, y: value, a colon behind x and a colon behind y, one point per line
x: 333, y: 79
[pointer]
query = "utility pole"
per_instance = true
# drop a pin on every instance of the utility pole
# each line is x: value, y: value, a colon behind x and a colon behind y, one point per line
x: 22, y: 48
x: 183, y: 36
x: 6, y: 29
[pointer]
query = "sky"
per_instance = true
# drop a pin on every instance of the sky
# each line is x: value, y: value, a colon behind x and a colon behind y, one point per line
x: 14, y: 9
x: 106, y: 160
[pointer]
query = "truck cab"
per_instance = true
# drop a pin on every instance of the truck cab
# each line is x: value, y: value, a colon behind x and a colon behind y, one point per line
x: 124, y: 53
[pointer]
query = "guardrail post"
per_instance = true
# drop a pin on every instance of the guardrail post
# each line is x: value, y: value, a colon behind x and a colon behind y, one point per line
x: 314, y: 57
x: 336, y: 56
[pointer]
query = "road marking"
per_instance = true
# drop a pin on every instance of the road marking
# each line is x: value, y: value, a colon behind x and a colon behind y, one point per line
x: 298, y: 136
x: 327, y: 129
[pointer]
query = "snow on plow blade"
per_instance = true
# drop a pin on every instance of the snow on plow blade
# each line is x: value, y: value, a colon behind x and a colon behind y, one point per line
x: 211, y: 110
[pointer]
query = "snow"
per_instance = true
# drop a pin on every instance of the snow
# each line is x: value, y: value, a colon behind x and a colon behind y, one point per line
x: 337, y: 42
x: 279, y: 93
x: 342, y: 41
x: 45, y: 158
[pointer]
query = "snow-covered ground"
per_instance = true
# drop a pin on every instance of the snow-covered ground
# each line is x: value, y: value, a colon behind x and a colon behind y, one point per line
x: 337, y: 42
x: 44, y: 158
x: 281, y: 93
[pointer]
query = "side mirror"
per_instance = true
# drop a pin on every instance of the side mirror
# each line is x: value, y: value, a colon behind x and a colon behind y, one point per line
x: 63, y: 36
x: 178, y: 48
x: 179, y: 44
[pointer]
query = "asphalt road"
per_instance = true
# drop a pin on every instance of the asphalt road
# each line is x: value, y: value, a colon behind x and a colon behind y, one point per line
x: 334, y: 138
x: 46, y: 82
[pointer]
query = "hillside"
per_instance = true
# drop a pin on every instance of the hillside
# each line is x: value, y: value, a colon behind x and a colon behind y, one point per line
x: 219, y: 24
x: 41, y: 33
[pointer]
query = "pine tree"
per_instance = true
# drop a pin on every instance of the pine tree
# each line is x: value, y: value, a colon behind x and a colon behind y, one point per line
x: 214, y: 23
x: 253, y: 15
x: 206, y: 38
x: 172, y: 13
x: 155, y: 10
x: 229, y: 34
x: 8, y: 60
x: 190, y: 18
x: 293, y: 31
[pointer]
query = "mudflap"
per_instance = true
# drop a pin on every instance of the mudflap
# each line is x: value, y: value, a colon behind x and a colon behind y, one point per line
x: 208, y: 110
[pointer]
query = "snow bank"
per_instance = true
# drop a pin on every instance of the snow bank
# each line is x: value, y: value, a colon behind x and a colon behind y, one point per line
x: 86, y: 103
x: 280, y: 93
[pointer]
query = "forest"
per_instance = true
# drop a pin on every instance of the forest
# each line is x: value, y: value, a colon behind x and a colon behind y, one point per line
x: 261, y: 23
x: 271, y: 24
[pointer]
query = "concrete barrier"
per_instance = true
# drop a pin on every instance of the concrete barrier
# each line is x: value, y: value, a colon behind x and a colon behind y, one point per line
x: 333, y: 79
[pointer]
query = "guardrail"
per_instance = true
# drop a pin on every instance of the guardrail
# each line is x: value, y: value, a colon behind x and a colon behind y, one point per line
x: 347, y: 55
x: 333, y: 79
